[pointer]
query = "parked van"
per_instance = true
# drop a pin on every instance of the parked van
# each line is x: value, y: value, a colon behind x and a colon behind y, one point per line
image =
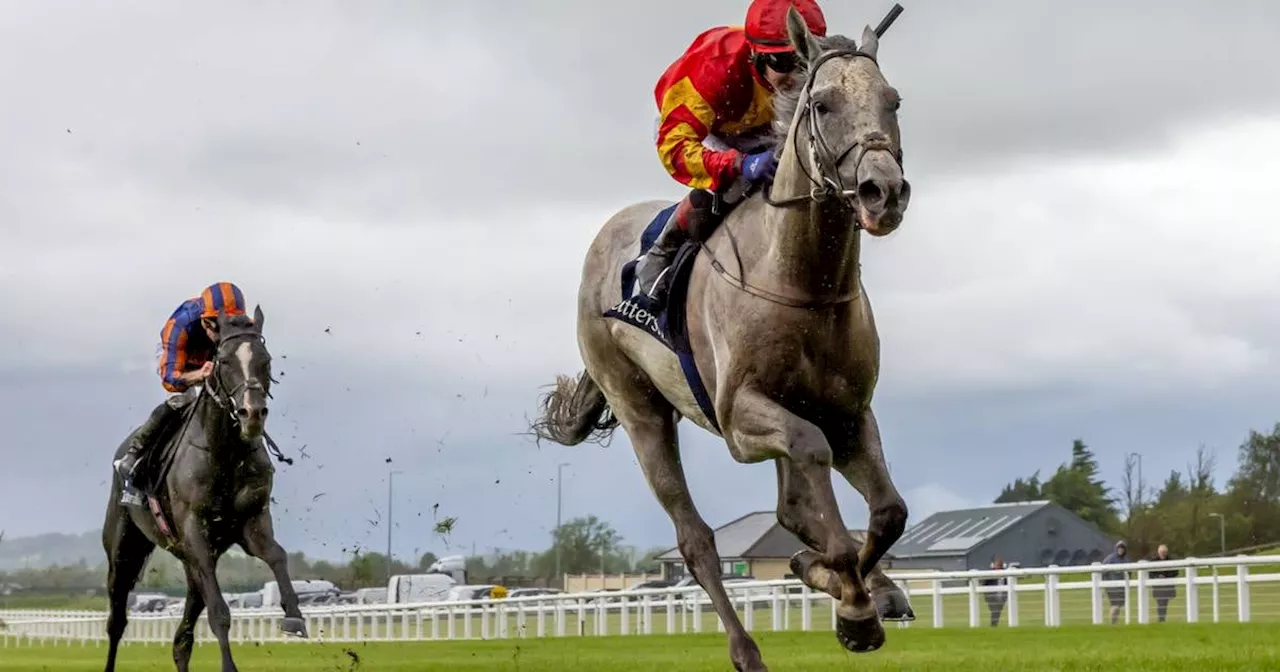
x: 416, y: 588
x: 271, y: 590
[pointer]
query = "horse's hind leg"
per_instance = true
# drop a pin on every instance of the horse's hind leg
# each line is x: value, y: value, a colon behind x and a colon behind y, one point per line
x: 127, y: 552
x: 656, y: 446
x: 260, y: 542
x: 762, y: 429
x: 861, y: 462
x: 184, y: 638
x: 650, y: 422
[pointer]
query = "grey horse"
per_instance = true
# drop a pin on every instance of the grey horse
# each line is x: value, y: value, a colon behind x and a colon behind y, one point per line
x: 215, y: 493
x: 781, y: 333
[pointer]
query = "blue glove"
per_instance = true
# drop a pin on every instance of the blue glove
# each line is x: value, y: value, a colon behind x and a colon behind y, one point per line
x: 759, y: 166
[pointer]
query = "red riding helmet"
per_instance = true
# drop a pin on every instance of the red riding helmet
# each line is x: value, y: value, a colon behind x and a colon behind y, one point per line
x: 767, y: 23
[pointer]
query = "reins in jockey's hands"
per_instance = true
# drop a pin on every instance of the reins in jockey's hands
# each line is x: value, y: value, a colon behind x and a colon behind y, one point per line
x: 760, y: 166
x: 198, y: 376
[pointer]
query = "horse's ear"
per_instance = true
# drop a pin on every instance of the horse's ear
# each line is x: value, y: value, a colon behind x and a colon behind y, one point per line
x: 258, y: 319
x: 806, y: 45
x: 870, y: 43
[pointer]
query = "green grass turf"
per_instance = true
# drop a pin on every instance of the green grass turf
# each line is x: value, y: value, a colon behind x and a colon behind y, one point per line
x: 1171, y: 646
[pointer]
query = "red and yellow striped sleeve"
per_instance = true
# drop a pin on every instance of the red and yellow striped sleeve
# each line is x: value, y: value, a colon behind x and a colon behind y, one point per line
x: 687, y: 118
x: 692, y: 94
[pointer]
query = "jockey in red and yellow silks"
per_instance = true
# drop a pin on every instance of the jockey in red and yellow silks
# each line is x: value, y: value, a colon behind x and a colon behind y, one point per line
x: 184, y: 359
x: 715, y: 108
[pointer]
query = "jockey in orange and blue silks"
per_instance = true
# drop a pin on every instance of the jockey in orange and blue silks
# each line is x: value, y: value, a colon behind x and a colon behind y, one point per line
x: 715, y: 111
x: 184, y: 360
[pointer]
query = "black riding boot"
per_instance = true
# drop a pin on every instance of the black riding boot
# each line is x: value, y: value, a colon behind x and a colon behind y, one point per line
x: 693, y: 218
x: 142, y: 439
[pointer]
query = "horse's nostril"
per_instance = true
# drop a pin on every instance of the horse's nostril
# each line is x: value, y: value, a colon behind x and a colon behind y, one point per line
x: 870, y: 192
x: 242, y: 412
x: 265, y: 411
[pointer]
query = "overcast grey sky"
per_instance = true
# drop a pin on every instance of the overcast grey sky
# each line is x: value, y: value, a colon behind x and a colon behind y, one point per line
x: 1090, y: 252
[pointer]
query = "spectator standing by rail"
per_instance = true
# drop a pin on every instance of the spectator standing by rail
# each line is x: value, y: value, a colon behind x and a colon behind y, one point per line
x: 1116, y: 594
x: 996, y: 599
x: 1162, y: 594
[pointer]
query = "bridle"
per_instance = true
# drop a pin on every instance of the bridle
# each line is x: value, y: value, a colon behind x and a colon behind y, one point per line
x: 828, y: 182
x: 223, y: 396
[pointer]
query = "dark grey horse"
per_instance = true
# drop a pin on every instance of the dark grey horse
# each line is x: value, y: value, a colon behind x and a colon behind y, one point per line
x: 215, y: 492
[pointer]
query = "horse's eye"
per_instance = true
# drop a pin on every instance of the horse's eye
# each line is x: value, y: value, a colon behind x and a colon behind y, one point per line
x: 820, y: 107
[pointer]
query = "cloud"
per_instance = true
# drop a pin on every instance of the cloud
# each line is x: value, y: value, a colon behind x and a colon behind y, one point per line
x: 930, y: 498
x: 1131, y: 272
x: 1086, y: 254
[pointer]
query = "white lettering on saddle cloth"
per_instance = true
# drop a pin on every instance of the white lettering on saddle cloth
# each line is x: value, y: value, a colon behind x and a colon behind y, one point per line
x: 638, y: 316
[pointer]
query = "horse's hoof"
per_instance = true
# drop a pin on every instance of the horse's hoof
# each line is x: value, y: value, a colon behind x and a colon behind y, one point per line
x: 859, y: 636
x: 892, y: 605
x: 294, y: 626
x: 801, y: 560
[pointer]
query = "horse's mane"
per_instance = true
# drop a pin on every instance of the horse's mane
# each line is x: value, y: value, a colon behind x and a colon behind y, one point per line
x: 787, y: 102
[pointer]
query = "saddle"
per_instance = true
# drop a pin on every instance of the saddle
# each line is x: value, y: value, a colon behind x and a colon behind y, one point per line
x: 665, y: 323
x: 149, y: 475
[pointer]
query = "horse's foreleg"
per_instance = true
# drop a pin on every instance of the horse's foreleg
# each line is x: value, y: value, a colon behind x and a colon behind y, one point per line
x: 862, y: 464
x: 184, y: 638
x: 260, y: 542
x: 762, y: 429
x: 656, y: 446
x: 796, y: 508
x: 202, y: 564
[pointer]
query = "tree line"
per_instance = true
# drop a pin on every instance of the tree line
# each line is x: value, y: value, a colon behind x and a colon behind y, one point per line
x: 1185, y: 509
x: 584, y: 545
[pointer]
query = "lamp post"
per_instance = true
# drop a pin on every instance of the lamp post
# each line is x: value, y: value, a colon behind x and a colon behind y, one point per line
x: 391, y: 480
x: 1222, y: 531
x: 1139, y: 456
x: 555, y: 535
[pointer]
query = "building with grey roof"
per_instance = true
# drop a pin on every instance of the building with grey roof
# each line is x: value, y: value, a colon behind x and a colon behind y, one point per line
x: 755, y: 545
x: 1031, y: 534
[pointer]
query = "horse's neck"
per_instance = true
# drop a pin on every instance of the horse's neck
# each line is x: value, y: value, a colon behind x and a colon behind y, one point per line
x: 813, y: 247
x: 219, y: 428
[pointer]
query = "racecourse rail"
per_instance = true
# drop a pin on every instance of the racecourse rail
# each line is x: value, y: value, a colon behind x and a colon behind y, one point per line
x: 1241, y: 589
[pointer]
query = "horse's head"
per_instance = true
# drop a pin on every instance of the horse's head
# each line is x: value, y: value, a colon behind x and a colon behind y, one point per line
x: 843, y: 121
x: 241, y: 379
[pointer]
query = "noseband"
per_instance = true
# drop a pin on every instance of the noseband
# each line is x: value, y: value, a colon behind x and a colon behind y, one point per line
x: 828, y: 182
x: 223, y: 396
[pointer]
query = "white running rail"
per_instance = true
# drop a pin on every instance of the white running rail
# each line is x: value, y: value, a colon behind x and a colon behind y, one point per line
x: 1240, y: 589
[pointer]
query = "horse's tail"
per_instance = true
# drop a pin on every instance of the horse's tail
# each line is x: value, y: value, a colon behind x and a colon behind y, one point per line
x: 575, y: 411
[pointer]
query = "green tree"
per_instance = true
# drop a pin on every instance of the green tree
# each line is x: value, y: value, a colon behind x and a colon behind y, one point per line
x: 586, y: 546
x: 1075, y: 486
x: 1020, y: 490
x: 1254, y: 491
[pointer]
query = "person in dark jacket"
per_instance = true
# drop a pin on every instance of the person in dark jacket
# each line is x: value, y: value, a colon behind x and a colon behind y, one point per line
x: 1162, y: 594
x: 996, y: 600
x: 1116, y: 594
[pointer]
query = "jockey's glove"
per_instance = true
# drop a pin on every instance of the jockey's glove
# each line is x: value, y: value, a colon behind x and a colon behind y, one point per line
x: 760, y: 166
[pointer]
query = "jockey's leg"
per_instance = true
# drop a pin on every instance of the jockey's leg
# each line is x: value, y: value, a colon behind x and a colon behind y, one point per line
x: 143, y: 437
x: 689, y: 220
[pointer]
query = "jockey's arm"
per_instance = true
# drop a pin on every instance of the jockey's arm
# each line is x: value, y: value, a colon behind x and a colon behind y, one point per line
x: 173, y: 374
x: 686, y: 120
